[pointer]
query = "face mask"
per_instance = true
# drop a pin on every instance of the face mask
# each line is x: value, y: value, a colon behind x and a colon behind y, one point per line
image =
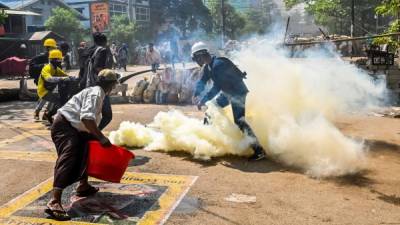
x: 56, y: 64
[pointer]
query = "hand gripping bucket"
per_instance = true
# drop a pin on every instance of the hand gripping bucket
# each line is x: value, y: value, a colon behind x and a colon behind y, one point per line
x: 108, y: 164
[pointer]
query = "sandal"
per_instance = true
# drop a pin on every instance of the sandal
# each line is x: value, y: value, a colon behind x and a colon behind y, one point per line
x: 88, y: 192
x: 59, y: 215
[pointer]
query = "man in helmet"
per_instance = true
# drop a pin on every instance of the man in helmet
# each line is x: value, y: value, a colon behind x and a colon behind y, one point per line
x: 228, y: 88
x: 50, y: 77
x: 36, y: 65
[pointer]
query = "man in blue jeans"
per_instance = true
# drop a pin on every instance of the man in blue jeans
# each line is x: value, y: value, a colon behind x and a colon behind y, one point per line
x: 228, y: 88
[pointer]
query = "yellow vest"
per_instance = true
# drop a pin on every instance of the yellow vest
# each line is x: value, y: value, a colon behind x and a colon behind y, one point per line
x: 48, y: 71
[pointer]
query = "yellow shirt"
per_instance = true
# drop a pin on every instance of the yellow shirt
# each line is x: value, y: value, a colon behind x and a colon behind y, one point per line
x: 48, y: 71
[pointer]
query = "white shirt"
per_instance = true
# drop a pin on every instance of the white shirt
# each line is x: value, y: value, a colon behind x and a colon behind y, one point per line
x: 87, y: 104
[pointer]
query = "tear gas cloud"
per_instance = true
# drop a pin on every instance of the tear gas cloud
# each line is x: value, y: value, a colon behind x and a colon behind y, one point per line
x: 291, y: 106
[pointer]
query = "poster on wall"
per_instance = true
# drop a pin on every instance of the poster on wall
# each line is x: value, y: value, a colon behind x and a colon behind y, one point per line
x: 99, y: 17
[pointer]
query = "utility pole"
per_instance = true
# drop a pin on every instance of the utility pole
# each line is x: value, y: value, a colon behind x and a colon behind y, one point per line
x: 223, y: 23
x: 352, y: 18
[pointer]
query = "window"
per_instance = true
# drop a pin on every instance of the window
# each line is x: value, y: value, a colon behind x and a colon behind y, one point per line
x: 142, y: 14
x: 37, y: 19
x: 80, y: 10
x: 117, y: 9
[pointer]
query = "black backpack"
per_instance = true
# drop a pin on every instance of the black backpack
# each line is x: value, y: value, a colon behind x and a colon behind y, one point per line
x: 36, y: 65
x: 89, y: 77
x: 233, y: 67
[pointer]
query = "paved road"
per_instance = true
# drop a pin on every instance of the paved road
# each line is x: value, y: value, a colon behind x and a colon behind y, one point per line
x: 283, y: 195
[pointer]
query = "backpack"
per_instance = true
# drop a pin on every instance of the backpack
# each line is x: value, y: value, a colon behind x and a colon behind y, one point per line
x: 36, y: 65
x: 235, y: 69
x: 90, y: 76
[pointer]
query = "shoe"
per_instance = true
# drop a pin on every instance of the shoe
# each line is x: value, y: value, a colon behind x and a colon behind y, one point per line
x: 44, y: 116
x: 257, y: 156
x: 36, y: 116
x: 47, y: 117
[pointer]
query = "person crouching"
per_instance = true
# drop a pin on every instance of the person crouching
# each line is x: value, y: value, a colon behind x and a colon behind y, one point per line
x: 75, y: 124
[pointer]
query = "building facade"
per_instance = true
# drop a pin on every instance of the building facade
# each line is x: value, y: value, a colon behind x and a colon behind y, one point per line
x: 136, y: 10
x: 42, y: 7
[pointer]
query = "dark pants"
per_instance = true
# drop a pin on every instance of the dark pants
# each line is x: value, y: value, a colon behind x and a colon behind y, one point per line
x: 54, y: 103
x: 106, y: 112
x: 72, y: 152
x: 57, y: 99
x: 154, y: 67
x: 238, y: 104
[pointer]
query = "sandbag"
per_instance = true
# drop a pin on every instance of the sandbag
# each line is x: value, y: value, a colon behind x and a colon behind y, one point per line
x: 154, y: 83
x: 140, y: 87
x: 185, y: 95
x: 173, y: 93
x: 149, y: 96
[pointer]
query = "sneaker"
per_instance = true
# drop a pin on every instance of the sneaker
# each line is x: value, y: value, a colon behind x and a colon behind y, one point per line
x: 257, y: 156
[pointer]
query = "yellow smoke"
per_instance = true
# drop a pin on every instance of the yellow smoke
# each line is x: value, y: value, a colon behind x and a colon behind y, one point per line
x: 290, y: 106
x: 174, y: 131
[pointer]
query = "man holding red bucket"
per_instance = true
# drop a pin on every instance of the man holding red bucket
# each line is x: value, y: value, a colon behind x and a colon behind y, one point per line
x: 76, y: 123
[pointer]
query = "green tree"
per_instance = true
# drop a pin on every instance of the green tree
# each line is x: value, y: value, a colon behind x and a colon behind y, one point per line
x: 188, y: 15
x: 3, y: 16
x: 390, y: 8
x: 66, y: 23
x: 235, y: 22
x: 336, y: 14
x: 122, y: 30
x: 259, y: 18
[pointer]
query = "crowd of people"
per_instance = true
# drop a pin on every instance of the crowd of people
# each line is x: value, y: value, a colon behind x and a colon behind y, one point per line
x: 81, y: 115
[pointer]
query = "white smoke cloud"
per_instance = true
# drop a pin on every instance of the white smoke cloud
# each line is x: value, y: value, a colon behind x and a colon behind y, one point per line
x: 291, y: 106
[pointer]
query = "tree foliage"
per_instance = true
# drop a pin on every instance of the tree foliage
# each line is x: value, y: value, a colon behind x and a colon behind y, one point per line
x: 122, y: 30
x: 258, y: 19
x: 234, y: 21
x: 188, y: 15
x: 65, y: 23
x: 390, y: 8
x: 336, y: 14
x: 3, y: 16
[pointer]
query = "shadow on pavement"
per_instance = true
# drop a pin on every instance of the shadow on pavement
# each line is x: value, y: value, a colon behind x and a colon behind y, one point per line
x: 16, y: 110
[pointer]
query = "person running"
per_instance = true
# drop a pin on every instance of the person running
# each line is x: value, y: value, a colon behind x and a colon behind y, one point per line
x: 51, y: 76
x: 36, y: 65
x: 228, y: 88
x: 123, y: 56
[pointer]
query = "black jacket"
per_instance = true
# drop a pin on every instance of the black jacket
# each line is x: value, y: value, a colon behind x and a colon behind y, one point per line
x: 226, y: 77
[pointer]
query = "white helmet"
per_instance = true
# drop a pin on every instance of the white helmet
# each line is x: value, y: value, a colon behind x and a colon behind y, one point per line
x: 199, y: 46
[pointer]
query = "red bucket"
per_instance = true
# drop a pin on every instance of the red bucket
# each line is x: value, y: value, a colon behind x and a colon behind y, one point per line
x: 108, y: 164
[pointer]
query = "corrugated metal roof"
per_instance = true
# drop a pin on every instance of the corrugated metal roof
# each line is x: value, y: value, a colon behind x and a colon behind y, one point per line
x: 40, y: 35
x: 19, y: 12
x: 3, y: 6
x: 18, y: 4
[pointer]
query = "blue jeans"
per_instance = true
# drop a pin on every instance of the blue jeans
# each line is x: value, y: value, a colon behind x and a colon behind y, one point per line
x: 159, y: 97
x: 40, y: 104
x: 54, y: 103
x: 106, y: 113
x: 155, y: 66
x: 238, y: 104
